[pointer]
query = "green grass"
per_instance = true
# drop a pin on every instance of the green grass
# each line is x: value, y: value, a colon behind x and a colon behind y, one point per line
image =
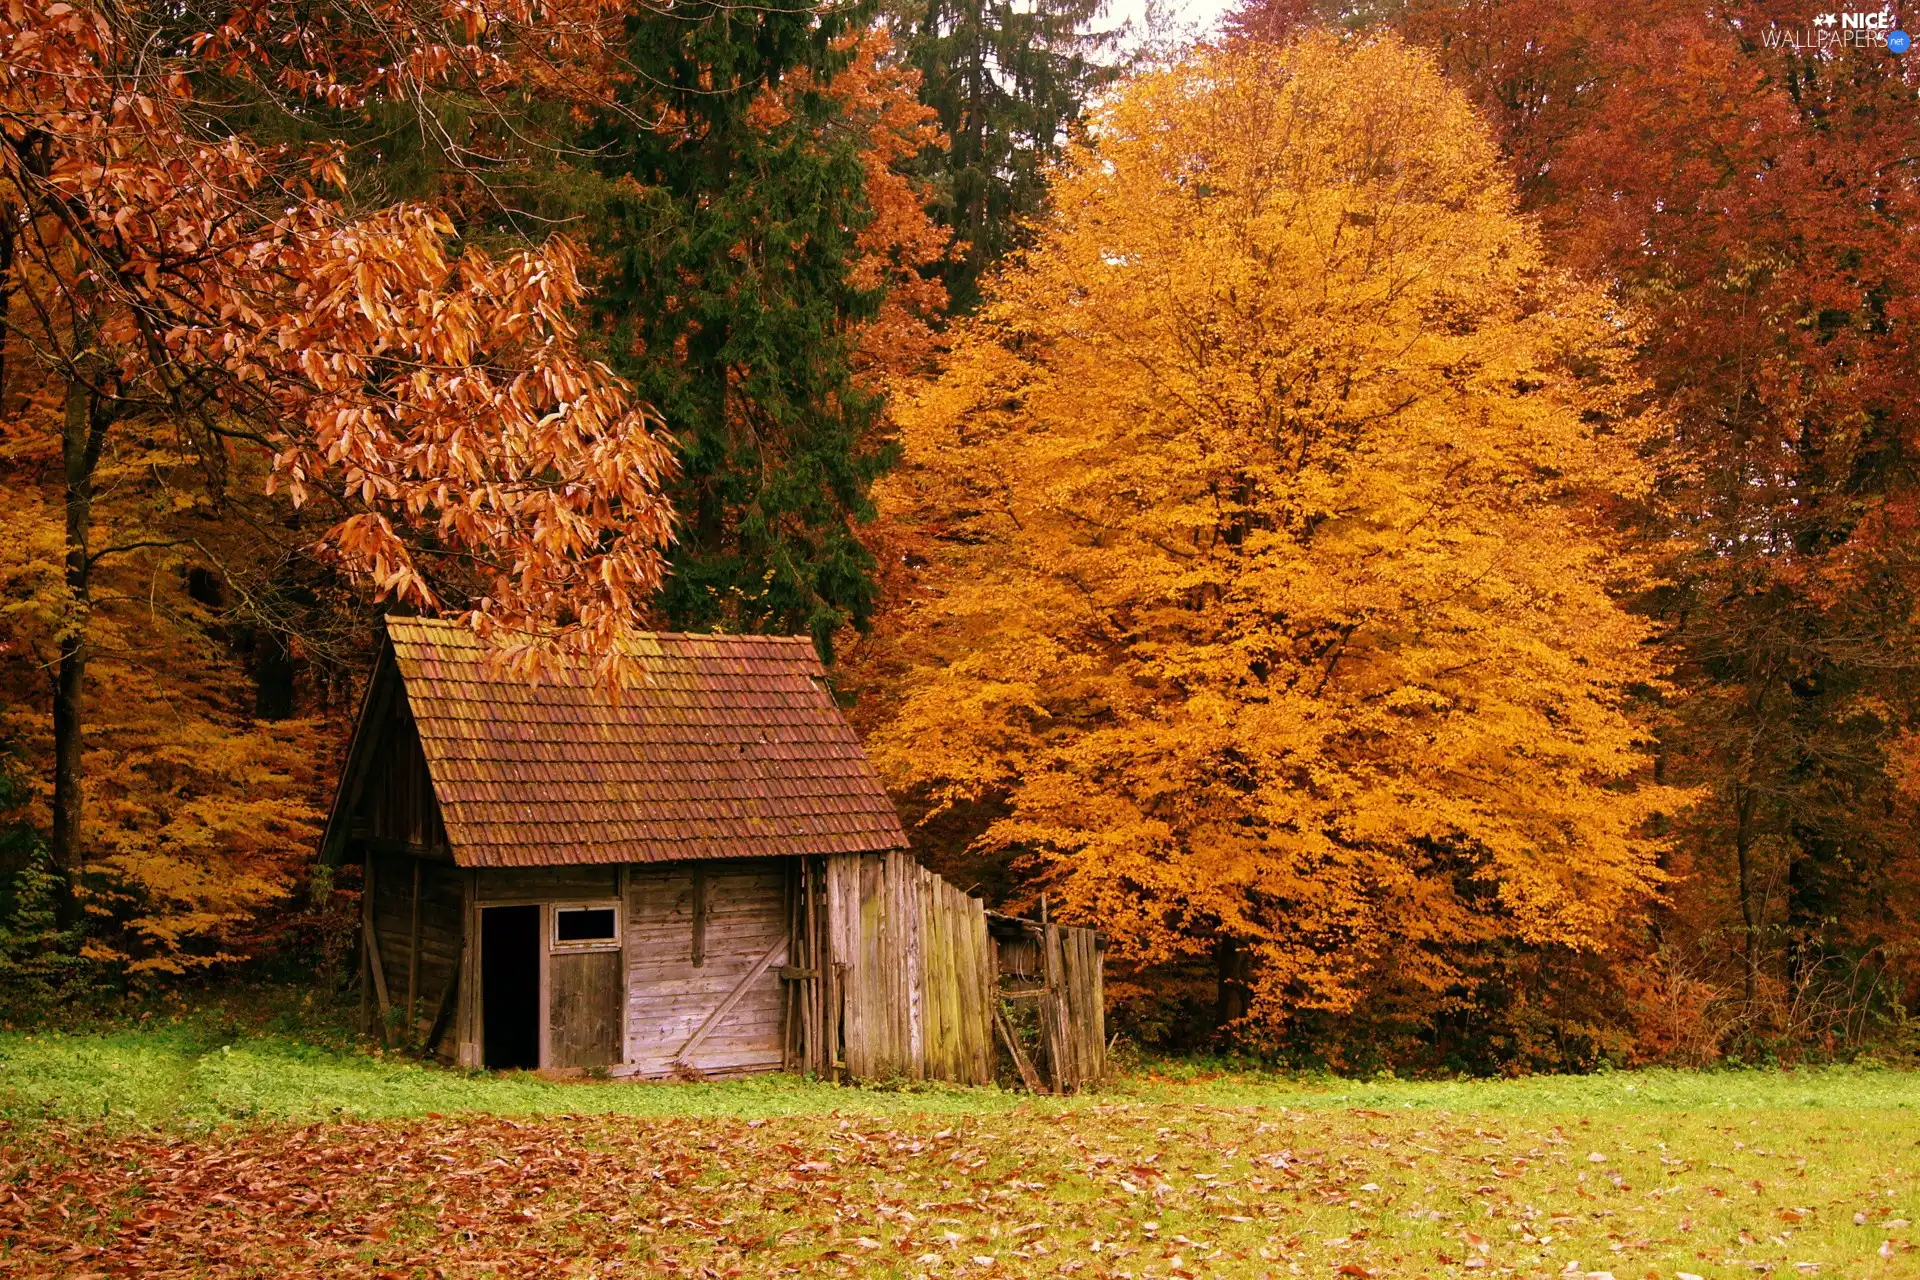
x: 1867, y: 1087
x: 175, y: 1078
x: 187, y: 1075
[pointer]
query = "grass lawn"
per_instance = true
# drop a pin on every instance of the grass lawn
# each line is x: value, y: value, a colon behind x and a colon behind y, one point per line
x: 175, y: 1152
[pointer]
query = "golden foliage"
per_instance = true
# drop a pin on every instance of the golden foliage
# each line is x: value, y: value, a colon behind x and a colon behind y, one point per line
x: 1271, y: 596
x: 196, y: 818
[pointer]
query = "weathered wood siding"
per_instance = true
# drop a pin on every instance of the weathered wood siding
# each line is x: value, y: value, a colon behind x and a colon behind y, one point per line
x: 913, y: 969
x: 547, y: 884
x: 437, y: 921
x: 397, y: 805
x: 736, y: 913
x: 812, y: 1011
x: 862, y: 964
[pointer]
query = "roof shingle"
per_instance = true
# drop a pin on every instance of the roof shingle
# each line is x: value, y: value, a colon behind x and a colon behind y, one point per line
x: 730, y: 746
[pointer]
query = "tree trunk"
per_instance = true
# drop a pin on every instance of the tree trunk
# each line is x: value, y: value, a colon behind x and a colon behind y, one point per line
x: 8, y: 237
x: 80, y: 448
x: 1749, y: 910
x: 1235, y: 972
x: 273, y: 675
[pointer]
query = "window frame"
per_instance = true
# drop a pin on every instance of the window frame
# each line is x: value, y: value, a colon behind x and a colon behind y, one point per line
x: 557, y: 946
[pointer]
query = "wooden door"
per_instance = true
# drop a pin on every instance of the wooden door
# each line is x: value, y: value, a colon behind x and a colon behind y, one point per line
x: 583, y: 1008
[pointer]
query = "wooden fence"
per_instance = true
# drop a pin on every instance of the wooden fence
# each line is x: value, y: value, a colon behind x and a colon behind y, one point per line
x: 914, y: 976
x: 893, y: 973
x: 1058, y: 969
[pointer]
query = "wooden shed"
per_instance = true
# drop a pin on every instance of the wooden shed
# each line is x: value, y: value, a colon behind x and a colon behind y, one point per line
x: 701, y: 877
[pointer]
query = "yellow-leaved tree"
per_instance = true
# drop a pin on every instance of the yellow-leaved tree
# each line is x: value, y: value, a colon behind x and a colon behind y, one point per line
x: 1271, y: 610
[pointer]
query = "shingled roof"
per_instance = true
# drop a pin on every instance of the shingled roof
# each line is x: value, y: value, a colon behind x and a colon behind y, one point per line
x: 730, y: 746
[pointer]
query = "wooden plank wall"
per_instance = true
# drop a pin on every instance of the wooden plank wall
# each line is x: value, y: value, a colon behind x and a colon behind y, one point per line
x: 669, y: 997
x: 912, y: 961
x: 397, y: 803
x: 441, y: 929
x: 866, y: 964
x: 500, y: 885
x: 957, y: 984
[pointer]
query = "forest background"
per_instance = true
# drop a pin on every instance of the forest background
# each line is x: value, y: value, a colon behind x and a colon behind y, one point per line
x: 1479, y: 639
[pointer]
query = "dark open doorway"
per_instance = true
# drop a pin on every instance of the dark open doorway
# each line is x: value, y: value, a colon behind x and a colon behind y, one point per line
x: 510, y: 985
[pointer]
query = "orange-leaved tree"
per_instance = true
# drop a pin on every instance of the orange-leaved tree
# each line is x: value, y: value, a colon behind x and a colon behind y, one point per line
x: 1271, y: 610
x: 1746, y: 182
x: 194, y: 303
x: 901, y: 248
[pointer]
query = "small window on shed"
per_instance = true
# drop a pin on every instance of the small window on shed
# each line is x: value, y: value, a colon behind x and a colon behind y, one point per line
x: 586, y: 928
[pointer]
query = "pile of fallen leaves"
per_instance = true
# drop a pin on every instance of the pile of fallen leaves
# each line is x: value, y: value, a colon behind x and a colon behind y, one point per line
x: 1111, y: 1190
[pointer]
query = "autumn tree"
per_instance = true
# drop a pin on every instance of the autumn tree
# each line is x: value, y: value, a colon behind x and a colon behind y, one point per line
x: 901, y: 251
x: 1272, y: 600
x: 195, y: 816
x: 1753, y: 196
x: 196, y: 303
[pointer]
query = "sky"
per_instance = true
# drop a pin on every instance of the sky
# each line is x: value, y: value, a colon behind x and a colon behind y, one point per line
x: 1201, y: 16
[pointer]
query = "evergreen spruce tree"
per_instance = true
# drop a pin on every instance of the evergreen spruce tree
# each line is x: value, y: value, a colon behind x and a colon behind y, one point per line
x: 1009, y: 80
x: 731, y: 301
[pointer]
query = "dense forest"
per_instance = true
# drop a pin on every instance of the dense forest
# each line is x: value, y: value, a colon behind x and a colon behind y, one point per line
x: 1405, y: 517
